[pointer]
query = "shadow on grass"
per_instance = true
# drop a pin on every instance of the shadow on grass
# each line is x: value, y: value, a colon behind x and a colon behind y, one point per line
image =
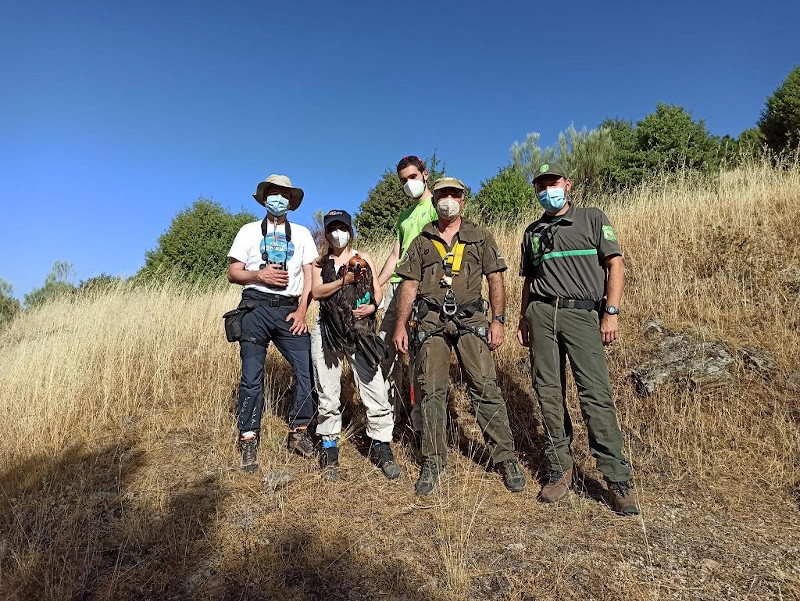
x: 73, y: 527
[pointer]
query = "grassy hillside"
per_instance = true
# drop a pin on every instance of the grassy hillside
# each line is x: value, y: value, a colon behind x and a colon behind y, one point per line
x: 119, y: 478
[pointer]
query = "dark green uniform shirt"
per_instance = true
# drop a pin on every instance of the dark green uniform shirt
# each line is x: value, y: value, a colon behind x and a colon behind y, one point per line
x: 565, y: 255
x: 423, y: 263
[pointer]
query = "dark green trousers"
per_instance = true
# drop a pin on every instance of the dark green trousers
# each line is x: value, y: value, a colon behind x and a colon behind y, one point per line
x: 477, y: 365
x: 574, y: 333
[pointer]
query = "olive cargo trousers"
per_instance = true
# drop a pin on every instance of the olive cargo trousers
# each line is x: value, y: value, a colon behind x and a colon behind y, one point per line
x: 477, y: 365
x: 554, y: 335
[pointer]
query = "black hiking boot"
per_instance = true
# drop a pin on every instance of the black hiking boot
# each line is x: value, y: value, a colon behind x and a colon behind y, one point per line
x: 428, y: 477
x: 384, y: 459
x: 300, y: 442
x: 248, y: 447
x: 329, y: 463
x: 513, y: 477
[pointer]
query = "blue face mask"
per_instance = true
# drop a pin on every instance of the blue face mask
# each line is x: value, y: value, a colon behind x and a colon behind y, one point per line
x: 552, y: 199
x: 277, y: 205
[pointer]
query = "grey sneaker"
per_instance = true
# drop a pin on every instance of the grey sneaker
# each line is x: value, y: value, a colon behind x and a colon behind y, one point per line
x: 623, y: 497
x: 513, y: 477
x: 557, y: 486
x: 300, y: 442
x: 384, y: 459
x: 329, y: 463
x: 248, y: 447
x: 428, y: 477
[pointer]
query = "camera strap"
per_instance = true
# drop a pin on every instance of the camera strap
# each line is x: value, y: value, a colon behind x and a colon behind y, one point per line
x: 264, y: 230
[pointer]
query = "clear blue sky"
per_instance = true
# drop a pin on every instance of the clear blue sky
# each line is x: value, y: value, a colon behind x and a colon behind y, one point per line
x: 116, y: 115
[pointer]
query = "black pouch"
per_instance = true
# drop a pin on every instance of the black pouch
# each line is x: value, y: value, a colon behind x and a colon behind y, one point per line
x: 233, y: 320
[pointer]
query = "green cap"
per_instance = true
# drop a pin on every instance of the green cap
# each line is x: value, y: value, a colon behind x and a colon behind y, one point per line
x: 550, y: 169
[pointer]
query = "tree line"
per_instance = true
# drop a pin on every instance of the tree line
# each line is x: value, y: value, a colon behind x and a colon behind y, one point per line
x: 614, y: 156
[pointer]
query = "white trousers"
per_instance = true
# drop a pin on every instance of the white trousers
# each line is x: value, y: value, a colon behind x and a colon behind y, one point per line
x: 328, y: 381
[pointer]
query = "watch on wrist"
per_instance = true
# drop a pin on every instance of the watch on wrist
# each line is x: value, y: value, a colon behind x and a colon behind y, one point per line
x: 500, y: 318
x: 612, y: 310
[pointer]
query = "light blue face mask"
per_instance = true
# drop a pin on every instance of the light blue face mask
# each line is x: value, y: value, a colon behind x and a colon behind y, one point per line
x: 552, y: 199
x: 277, y: 205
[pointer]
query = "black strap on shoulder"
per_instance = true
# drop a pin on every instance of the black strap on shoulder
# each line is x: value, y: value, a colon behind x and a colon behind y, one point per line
x: 288, y: 228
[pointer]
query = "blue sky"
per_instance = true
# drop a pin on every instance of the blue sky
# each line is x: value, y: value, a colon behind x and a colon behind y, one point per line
x: 114, y: 116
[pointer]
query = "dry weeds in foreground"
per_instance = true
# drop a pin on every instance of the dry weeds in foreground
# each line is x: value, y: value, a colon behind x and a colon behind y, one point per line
x: 118, y: 473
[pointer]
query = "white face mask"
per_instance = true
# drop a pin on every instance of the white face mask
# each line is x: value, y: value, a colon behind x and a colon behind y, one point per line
x: 448, y: 208
x: 339, y: 238
x: 414, y: 188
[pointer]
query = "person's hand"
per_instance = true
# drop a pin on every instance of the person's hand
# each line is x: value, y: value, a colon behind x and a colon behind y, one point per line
x: 298, y: 319
x: 272, y: 275
x: 523, y: 333
x: 497, y: 335
x: 363, y: 311
x: 349, y: 277
x: 609, y: 328
x: 401, y: 340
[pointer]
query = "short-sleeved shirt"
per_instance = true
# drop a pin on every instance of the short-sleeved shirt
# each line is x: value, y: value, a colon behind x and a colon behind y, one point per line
x: 249, y: 244
x: 565, y: 255
x: 409, y: 224
x: 423, y: 263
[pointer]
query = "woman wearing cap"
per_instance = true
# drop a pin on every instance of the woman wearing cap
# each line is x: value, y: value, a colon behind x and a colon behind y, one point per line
x: 345, y: 284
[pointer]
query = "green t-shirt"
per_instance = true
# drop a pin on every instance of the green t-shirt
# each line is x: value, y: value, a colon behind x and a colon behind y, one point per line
x: 409, y: 224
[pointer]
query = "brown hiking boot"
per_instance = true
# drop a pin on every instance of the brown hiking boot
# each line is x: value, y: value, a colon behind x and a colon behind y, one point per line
x: 623, y: 497
x: 248, y: 447
x: 300, y: 442
x: 557, y: 486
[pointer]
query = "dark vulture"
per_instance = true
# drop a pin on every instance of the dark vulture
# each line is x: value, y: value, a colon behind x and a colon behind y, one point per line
x: 342, y: 331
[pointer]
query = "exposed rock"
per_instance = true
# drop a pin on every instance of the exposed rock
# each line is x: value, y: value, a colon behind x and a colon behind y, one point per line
x: 278, y: 478
x: 701, y: 364
x: 757, y: 360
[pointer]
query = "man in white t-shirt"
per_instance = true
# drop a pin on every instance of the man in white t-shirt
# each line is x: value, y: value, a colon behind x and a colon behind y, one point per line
x: 272, y: 260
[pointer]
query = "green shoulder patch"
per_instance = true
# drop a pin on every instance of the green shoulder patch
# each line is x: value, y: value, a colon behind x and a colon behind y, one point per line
x: 608, y: 233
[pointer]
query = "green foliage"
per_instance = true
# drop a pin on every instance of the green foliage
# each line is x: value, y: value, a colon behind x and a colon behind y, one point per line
x: 585, y: 154
x: 504, y: 194
x: 670, y: 140
x: 780, y: 121
x: 749, y: 144
x: 377, y: 215
x: 195, y: 247
x: 9, y: 306
x: 57, y: 283
x: 100, y: 283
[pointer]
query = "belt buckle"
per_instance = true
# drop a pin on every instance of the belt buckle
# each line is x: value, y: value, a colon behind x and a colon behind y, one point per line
x: 449, y: 306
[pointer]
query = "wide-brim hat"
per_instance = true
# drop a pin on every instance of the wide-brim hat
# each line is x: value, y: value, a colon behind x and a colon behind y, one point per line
x: 448, y: 182
x: 550, y: 169
x: 337, y: 215
x: 263, y: 189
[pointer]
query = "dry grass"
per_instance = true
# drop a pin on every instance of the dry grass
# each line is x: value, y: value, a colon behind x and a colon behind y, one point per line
x: 118, y: 472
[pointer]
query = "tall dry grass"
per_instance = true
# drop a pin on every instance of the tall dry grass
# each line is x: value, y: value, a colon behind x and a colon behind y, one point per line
x: 118, y: 473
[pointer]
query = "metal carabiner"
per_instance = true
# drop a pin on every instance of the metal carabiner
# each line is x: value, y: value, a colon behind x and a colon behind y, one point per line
x: 449, y: 307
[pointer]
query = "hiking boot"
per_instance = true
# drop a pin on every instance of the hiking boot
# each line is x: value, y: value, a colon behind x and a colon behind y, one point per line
x: 329, y: 463
x: 557, y: 486
x: 623, y: 497
x: 428, y: 477
x: 513, y: 477
x: 300, y: 442
x: 384, y: 459
x: 248, y: 447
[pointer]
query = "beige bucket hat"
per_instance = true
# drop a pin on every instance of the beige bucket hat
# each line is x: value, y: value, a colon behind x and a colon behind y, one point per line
x: 262, y: 191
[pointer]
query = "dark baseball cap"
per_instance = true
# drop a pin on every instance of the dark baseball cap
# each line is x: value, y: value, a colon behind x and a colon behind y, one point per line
x: 337, y: 215
x: 550, y: 169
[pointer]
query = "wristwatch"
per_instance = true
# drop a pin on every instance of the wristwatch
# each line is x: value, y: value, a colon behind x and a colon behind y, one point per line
x: 612, y: 310
x: 500, y: 318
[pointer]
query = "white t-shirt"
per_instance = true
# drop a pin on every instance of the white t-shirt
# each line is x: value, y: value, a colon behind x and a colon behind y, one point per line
x: 249, y: 244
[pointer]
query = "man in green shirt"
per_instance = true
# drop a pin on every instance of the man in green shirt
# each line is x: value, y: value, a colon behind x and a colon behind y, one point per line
x: 414, y: 177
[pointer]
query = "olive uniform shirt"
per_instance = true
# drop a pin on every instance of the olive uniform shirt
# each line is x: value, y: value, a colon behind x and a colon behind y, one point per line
x: 423, y: 263
x: 565, y: 255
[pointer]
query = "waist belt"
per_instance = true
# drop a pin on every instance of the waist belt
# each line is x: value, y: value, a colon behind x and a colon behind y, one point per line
x: 463, y: 310
x: 567, y: 303
x: 265, y: 299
